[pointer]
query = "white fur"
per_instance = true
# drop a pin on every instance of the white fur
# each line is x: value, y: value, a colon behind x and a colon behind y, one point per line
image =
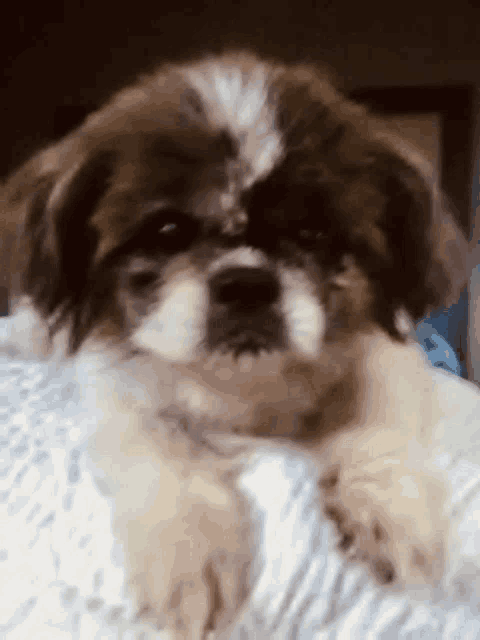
x: 238, y: 100
x: 303, y: 313
x: 176, y: 329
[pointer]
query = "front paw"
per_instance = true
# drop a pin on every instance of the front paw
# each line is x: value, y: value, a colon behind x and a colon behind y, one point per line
x: 363, y: 542
x: 184, y: 615
x: 401, y: 539
x: 200, y: 605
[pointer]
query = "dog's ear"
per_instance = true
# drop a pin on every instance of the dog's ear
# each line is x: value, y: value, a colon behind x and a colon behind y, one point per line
x: 449, y: 247
x: 427, y: 247
x: 402, y: 226
x: 48, y: 244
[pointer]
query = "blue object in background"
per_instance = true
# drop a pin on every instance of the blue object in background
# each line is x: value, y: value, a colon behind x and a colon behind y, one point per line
x: 439, y: 351
x: 443, y: 336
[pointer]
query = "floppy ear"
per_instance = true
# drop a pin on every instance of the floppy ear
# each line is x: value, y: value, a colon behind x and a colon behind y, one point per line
x: 449, y: 250
x: 403, y: 226
x: 428, y: 247
x: 48, y: 243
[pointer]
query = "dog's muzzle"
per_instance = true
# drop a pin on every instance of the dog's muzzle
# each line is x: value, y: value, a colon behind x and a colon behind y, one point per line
x: 243, y: 316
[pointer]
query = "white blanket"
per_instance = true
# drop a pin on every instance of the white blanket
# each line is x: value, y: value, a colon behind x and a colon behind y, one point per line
x: 61, y: 570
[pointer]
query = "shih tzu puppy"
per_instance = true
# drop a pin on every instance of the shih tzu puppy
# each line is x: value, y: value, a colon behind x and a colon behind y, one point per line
x: 233, y: 247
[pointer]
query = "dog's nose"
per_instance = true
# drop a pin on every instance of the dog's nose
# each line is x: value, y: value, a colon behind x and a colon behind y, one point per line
x: 245, y: 288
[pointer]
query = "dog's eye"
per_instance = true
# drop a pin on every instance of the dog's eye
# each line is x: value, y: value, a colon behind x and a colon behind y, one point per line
x: 169, y: 229
x: 178, y: 234
x: 165, y: 232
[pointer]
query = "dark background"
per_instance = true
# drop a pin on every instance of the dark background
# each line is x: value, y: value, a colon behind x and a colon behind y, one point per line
x: 62, y: 59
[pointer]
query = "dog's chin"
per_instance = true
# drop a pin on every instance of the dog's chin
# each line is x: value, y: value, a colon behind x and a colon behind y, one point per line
x: 243, y: 355
x: 244, y: 342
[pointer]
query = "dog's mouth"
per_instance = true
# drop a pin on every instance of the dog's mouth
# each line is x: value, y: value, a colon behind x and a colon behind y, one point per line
x: 245, y: 341
x: 248, y: 335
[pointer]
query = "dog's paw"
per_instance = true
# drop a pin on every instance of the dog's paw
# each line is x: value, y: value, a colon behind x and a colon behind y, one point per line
x: 402, y: 541
x: 183, y: 615
x: 363, y: 543
x: 198, y: 606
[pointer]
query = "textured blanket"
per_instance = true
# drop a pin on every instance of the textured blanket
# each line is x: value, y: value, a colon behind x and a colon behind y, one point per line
x: 61, y: 570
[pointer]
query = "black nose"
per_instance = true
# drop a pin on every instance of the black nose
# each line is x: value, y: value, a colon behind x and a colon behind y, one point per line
x: 245, y: 288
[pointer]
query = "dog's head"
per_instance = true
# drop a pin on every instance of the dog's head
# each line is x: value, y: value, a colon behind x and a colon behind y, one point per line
x: 234, y: 207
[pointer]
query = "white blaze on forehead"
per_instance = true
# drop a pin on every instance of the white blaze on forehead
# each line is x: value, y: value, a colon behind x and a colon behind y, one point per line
x: 303, y: 314
x: 237, y: 99
x: 176, y: 328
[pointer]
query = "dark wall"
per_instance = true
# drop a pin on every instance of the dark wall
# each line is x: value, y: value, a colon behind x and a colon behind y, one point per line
x: 73, y: 54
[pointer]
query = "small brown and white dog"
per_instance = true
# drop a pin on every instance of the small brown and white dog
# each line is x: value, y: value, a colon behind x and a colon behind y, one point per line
x: 234, y: 247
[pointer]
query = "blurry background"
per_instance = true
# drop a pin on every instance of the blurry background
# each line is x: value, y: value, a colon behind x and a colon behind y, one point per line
x: 416, y: 61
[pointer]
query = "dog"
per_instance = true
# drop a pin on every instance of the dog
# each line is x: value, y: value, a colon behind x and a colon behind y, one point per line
x: 237, y: 250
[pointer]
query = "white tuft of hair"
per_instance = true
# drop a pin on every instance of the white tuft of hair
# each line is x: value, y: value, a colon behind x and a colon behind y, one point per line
x: 236, y: 97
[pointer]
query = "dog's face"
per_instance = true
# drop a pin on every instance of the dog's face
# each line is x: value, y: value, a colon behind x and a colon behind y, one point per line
x: 231, y: 209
